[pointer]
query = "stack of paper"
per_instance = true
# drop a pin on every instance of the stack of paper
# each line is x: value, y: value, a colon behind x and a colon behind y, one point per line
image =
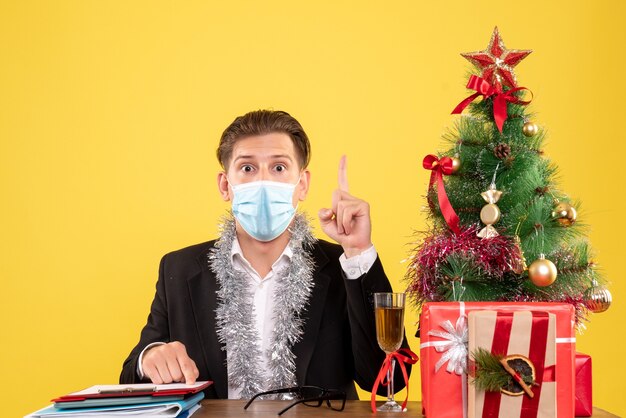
x: 145, y: 400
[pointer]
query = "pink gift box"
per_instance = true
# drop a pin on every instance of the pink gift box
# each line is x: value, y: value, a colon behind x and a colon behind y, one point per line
x: 444, y: 355
x: 584, y: 406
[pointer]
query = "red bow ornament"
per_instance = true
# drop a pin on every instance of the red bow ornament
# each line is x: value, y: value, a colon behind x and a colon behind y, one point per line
x: 439, y: 167
x: 500, y: 99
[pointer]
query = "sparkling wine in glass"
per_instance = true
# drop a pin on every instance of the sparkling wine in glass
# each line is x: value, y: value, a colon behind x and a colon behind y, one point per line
x: 389, y: 308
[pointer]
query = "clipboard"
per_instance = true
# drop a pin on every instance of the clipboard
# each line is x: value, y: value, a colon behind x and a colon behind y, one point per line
x: 131, y: 390
x: 124, y: 400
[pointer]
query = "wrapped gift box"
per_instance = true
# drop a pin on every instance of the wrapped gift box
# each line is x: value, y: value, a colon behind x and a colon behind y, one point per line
x: 522, y: 333
x: 584, y: 406
x: 443, y: 354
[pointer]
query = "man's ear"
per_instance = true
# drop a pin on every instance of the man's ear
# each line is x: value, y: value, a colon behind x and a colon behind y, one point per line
x: 222, y: 185
x: 303, y: 185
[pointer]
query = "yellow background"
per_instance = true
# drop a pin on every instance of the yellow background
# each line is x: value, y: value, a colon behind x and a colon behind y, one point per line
x: 110, y: 112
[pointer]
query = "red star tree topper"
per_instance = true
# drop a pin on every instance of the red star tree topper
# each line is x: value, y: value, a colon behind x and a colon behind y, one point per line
x: 497, y: 62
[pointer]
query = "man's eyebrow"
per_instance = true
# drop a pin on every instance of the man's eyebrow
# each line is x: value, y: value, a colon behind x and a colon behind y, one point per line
x: 275, y: 156
x: 287, y: 156
x: 243, y: 157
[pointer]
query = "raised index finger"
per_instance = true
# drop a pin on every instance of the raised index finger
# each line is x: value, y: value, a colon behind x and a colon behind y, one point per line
x: 343, y: 174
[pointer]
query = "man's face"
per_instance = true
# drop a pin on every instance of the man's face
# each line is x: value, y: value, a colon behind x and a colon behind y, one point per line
x: 270, y: 157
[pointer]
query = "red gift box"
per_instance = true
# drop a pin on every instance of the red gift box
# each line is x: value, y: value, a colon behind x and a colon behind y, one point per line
x: 443, y: 354
x: 584, y: 406
x: 522, y: 333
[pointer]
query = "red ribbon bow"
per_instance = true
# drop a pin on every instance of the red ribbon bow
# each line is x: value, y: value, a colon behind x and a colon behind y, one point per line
x: 381, y: 379
x: 440, y: 167
x: 483, y: 88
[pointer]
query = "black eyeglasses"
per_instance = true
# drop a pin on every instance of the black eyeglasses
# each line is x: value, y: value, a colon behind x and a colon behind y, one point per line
x: 310, y: 396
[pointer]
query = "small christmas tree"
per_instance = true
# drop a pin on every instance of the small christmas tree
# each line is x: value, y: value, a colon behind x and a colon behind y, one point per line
x: 495, y: 206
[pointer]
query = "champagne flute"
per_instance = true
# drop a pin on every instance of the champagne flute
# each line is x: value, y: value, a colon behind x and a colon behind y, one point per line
x: 389, y: 309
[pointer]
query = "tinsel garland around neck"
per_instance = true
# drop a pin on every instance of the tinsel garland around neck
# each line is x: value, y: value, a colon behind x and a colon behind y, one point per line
x: 234, y: 315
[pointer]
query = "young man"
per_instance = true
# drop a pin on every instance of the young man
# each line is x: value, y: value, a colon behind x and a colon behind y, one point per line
x: 267, y: 305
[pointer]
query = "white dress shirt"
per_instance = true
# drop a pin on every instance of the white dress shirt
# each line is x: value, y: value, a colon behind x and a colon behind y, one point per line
x: 262, y: 291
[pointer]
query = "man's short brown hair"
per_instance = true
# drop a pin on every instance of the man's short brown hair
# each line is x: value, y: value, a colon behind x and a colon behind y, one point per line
x: 263, y: 122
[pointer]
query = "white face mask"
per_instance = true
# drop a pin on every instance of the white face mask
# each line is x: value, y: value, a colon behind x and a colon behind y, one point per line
x: 264, y: 209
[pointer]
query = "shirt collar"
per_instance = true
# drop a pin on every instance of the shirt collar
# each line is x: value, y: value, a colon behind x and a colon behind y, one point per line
x: 240, y: 261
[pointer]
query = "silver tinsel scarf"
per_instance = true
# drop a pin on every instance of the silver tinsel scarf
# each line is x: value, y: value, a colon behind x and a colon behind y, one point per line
x: 235, y: 322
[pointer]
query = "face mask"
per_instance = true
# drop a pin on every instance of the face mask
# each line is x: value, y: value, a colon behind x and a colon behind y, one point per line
x: 264, y: 208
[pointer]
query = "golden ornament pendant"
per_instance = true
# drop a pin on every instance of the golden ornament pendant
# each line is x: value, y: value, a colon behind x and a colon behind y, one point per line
x: 565, y: 214
x: 530, y: 129
x: 456, y: 163
x: 521, y: 266
x: 490, y: 213
x: 542, y: 272
x: 598, y: 298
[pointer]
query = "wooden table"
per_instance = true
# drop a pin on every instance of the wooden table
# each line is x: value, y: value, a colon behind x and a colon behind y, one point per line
x: 234, y: 408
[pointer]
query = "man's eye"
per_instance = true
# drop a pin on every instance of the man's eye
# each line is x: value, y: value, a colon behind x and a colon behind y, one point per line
x: 246, y: 168
x: 280, y: 168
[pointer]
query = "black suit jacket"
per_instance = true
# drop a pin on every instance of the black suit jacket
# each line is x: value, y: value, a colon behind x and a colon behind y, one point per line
x: 338, y: 345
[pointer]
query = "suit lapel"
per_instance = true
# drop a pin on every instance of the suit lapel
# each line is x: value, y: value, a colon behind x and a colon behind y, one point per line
x: 202, y: 292
x: 312, y: 316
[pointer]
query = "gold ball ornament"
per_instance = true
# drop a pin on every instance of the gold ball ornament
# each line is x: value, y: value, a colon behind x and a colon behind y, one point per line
x: 490, y: 214
x: 456, y: 163
x: 530, y: 129
x: 565, y: 214
x: 598, y: 298
x: 542, y: 272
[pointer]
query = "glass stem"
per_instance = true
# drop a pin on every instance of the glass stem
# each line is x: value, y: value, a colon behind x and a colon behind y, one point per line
x: 390, y: 380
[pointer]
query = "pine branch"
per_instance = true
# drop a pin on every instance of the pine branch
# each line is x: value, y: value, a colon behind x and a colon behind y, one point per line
x: 490, y: 375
